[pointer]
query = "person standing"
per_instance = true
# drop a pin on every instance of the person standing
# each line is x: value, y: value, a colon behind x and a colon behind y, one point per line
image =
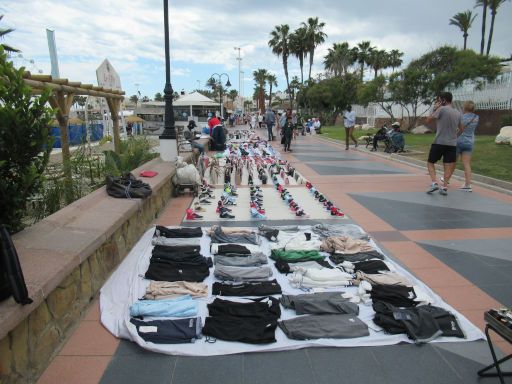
x: 349, y: 121
x: 213, y: 122
x: 287, y: 130
x: 466, y: 141
x: 448, y: 122
x: 260, y: 119
x: 270, y: 120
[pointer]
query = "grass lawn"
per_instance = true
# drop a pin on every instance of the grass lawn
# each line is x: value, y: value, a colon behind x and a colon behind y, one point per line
x: 489, y: 159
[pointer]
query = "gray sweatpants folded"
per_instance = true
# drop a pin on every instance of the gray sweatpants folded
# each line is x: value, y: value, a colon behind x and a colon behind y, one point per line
x: 241, y: 261
x: 225, y: 272
x: 324, y: 327
x: 320, y: 303
x: 173, y: 242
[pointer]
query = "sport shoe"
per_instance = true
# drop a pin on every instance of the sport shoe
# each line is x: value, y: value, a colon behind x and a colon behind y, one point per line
x: 204, y: 200
x: 225, y: 215
x: 443, y: 191
x: 434, y: 187
x: 442, y: 180
x: 466, y: 188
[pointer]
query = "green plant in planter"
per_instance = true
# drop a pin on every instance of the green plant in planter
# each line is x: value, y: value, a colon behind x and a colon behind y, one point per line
x: 25, y: 142
x: 134, y: 152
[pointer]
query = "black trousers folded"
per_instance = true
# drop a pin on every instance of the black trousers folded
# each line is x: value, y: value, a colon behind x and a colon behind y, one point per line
x: 179, y: 232
x: 169, y: 331
x: 260, y: 288
x: 175, y: 272
x: 245, y: 330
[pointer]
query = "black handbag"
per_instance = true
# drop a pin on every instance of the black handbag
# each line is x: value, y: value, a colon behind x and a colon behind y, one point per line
x: 127, y: 186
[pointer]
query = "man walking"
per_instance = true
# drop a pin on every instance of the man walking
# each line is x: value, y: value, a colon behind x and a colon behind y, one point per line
x: 448, y: 122
x: 349, y: 121
x: 270, y: 120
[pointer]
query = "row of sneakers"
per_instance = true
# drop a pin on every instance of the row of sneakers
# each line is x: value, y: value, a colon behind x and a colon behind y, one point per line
x: 204, y: 198
x: 228, y: 198
x: 288, y: 198
x: 328, y: 206
x: 256, y: 202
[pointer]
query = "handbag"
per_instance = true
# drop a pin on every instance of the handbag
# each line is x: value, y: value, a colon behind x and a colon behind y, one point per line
x: 127, y: 186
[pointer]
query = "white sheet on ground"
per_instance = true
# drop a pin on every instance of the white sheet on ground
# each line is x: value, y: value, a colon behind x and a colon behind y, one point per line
x: 126, y: 285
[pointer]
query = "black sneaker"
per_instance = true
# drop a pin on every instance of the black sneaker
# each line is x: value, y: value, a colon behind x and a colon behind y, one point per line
x: 433, y: 187
x: 225, y: 215
x: 204, y: 200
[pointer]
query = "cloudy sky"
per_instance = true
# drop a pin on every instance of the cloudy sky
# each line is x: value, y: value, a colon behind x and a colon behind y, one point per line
x: 205, y: 32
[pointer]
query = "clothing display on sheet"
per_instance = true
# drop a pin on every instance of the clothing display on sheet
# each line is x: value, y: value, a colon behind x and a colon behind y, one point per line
x: 235, y: 249
x: 329, y: 230
x: 309, y: 327
x: 388, y: 278
x: 183, y: 306
x: 178, y: 232
x: 258, y: 288
x: 299, y: 243
x: 226, y: 272
x: 253, y: 321
x: 339, y: 258
x: 286, y: 267
x: 270, y: 234
x: 174, y: 241
x: 319, y: 278
x: 218, y: 235
x: 241, y: 261
x: 295, y: 256
x: 397, y: 295
x: 319, y: 303
x: 345, y: 245
x: 168, y: 289
x: 422, y: 324
x: 169, y: 331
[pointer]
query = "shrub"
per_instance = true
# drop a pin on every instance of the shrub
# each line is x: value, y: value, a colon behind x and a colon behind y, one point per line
x: 25, y: 143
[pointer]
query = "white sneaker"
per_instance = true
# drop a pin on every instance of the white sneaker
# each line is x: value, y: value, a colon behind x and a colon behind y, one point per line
x: 466, y: 188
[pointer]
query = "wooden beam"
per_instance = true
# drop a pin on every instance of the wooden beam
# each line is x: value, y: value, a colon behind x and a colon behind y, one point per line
x: 82, y: 90
x: 114, y: 106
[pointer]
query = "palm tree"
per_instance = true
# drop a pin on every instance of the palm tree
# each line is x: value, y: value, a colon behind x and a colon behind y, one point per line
x: 314, y: 37
x: 493, y: 6
x: 298, y: 48
x: 483, y: 4
x: 363, y: 55
x: 379, y: 59
x: 463, y: 21
x: 339, y: 58
x: 134, y: 99
x: 260, y: 78
x: 280, y: 44
x: 159, y: 97
x: 395, y: 58
x: 3, y: 33
x: 272, y: 81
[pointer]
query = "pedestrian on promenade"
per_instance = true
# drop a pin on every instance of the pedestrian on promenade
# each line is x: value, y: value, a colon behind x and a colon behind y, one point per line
x: 288, y: 130
x: 349, y: 121
x: 270, y: 120
x: 253, y: 121
x: 448, y: 122
x: 466, y: 142
x: 260, y: 119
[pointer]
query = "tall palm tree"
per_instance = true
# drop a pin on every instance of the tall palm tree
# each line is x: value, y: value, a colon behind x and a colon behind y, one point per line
x: 272, y: 81
x: 280, y: 44
x: 379, y: 59
x: 483, y: 4
x: 339, y: 58
x: 493, y: 7
x: 363, y: 55
x: 395, y: 58
x: 4, y: 32
x: 260, y: 78
x: 463, y: 21
x: 314, y: 37
x: 298, y: 48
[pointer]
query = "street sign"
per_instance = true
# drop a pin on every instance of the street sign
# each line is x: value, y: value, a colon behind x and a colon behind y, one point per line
x: 107, y: 76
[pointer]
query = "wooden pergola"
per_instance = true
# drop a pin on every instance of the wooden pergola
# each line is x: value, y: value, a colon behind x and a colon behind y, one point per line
x: 63, y: 92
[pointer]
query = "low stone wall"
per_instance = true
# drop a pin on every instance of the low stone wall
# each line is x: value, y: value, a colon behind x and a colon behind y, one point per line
x: 66, y: 258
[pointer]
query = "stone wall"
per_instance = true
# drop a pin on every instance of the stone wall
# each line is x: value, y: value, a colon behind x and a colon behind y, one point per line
x: 30, y: 335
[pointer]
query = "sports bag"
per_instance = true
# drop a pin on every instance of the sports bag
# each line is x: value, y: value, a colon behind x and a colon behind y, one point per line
x: 11, y: 275
x: 127, y: 186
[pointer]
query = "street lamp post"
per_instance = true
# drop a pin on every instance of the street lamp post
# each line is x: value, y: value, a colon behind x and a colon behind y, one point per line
x: 228, y: 84
x: 168, y: 144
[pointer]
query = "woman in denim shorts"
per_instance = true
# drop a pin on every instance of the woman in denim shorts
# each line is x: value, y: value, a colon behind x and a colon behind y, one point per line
x: 466, y: 140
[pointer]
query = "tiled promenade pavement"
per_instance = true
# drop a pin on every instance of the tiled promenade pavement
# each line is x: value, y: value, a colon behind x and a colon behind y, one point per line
x: 459, y: 245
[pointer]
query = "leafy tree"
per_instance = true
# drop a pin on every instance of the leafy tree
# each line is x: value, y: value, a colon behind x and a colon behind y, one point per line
x: 395, y: 58
x: 376, y: 91
x: 3, y: 33
x: 463, y: 21
x: 159, y: 97
x: 314, y: 37
x: 260, y: 78
x: 298, y: 48
x: 493, y: 7
x: 379, y: 59
x: 80, y: 100
x: 134, y: 99
x: 280, y: 44
x: 233, y: 94
x: 272, y: 81
x: 25, y: 142
x: 145, y: 99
